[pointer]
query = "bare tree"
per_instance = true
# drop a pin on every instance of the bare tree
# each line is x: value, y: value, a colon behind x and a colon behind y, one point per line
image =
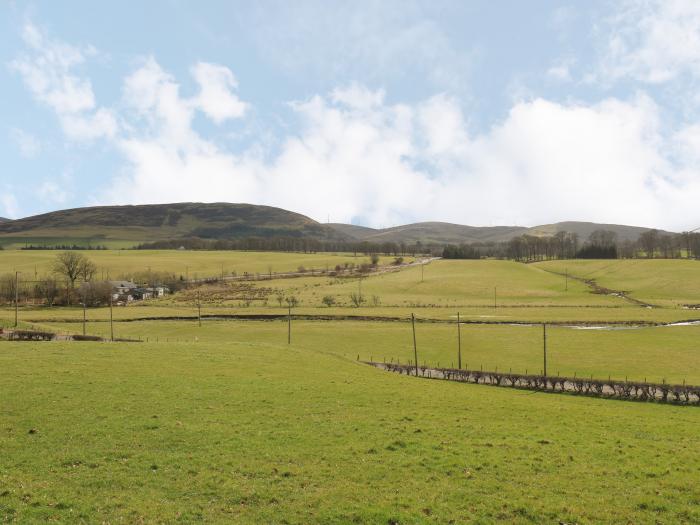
x: 47, y: 289
x: 72, y: 266
x: 649, y: 240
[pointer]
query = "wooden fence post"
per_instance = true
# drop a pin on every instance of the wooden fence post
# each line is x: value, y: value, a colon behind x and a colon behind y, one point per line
x: 415, y: 348
x: 459, y: 344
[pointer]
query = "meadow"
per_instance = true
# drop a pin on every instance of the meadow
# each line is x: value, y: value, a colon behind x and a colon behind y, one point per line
x: 115, y: 264
x: 260, y: 432
x: 663, y: 282
x: 227, y: 422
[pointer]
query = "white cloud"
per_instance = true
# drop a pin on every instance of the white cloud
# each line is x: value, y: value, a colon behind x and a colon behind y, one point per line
x: 27, y: 144
x: 358, y: 158
x: 561, y: 70
x: 9, y: 204
x: 47, y: 70
x: 215, y: 97
x: 653, y: 41
x: 389, y: 39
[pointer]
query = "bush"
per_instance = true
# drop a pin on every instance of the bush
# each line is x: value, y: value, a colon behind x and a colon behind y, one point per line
x: 356, y: 299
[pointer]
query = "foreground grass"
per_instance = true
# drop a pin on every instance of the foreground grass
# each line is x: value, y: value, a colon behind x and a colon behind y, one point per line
x: 657, y: 354
x: 264, y: 433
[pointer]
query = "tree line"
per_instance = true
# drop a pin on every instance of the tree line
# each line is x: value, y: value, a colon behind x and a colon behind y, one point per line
x: 290, y: 244
x: 600, y: 244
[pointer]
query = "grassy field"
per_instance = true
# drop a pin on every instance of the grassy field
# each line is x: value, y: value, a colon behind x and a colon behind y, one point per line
x: 668, y: 283
x: 259, y: 432
x: 228, y: 423
x: 655, y: 353
x: 456, y: 284
x: 200, y: 264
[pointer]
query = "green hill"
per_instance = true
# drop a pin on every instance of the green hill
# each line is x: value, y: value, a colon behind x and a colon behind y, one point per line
x: 153, y: 222
x: 123, y: 226
x: 447, y: 233
x: 584, y: 229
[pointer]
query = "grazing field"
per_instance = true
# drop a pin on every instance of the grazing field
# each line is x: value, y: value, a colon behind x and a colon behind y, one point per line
x: 227, y: 422
x: 259, y: 432
x: 457, y: 283
x: 670, y: 283
x: 670, y: 354
x: 193, y: 264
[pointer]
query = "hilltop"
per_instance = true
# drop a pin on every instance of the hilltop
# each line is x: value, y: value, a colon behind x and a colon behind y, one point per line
x: 151, y: 222
x: 129, y: 225
x: 447, y: 233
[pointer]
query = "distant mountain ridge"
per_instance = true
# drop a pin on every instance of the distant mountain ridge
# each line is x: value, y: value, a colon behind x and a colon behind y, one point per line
x: 447, y: 233
x: 154, y: 222
x: 150, y: 222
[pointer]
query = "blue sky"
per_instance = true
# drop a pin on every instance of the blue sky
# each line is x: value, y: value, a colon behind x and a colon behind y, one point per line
x: 376, y: 113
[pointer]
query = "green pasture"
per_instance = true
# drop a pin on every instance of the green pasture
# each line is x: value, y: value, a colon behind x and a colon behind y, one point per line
x: 664, y: 282
x: 259, y: 432
x: 533, y: 313
x: 193, y: 264
x: 666, y: 353
x: 446, y: 283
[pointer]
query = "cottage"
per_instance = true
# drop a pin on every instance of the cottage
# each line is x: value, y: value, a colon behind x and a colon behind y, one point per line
x: 122, y: 291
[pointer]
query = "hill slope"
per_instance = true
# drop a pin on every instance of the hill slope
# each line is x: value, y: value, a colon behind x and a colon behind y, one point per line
x: 167, y: 221
x: 443, y: 232
x: 153, y: 222
x: 431, y: 232
x: 584, y: 229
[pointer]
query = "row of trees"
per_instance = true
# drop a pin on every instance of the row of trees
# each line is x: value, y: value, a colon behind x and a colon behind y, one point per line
x: 601, y: 244
x: 289, y: 244
x: 71, y: 280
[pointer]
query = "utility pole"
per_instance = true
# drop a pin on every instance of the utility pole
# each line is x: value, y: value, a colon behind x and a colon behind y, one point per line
x: 360, y: 286
x: 415, y: 349
x: 494, y: 297
x: 16, y: 297
x: 111, y: 319
x: 544, y: 346
x: 199, y: 310
x: 459, y: 344
x: 566, y: 280
x: 84, y: 314
x: 289, y: 326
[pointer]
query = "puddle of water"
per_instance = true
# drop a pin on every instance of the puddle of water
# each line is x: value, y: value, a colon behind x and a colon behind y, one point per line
x: 684, y: 323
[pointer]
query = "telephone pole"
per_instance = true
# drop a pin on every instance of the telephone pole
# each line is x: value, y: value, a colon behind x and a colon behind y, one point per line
x: 111, y: 319
x: 289, y: 326
x: 415, y: 349
x: 544, y: 346
x: 459, y: 344
x: 16, y: 297
x: 84, y: 314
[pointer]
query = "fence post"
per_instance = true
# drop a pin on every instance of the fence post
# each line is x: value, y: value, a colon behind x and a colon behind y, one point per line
x: 415, y: 348
x: 459, y: 344
x: 111, y: 319
x: 544, y: 343
x: 289, y: 327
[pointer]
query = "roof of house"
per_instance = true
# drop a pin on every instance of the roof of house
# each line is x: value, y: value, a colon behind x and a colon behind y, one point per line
x: 123, y: 284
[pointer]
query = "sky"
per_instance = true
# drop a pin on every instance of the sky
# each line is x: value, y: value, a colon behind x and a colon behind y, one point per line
x: 372, y: 113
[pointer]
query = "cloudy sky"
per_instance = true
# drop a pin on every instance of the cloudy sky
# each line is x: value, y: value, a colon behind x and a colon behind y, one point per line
x: 375, y: 113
